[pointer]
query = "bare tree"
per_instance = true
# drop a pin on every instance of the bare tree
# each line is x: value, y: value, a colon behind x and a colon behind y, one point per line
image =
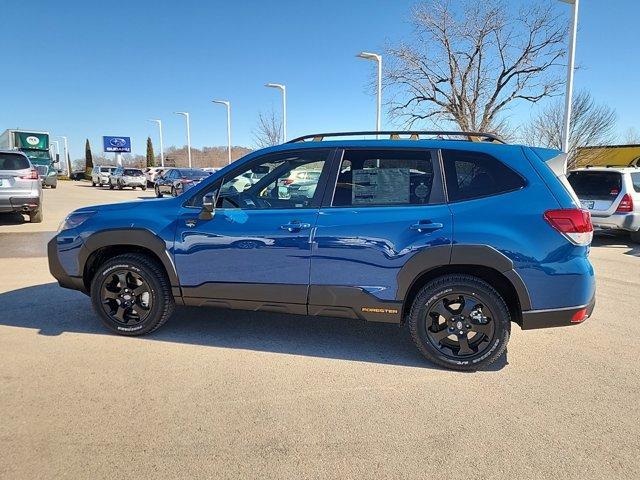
x: 269, y: 130
x: 631, y: 136
x: 468, y: 68
x: 591, y: 124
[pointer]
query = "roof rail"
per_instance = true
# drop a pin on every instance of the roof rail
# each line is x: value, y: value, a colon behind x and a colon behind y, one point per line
x: 395, y: 135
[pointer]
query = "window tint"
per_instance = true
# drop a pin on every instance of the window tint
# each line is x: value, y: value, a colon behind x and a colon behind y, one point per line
x: 595, y: 183
x: 132, y: 172
x: 472, y: 175
x: 635, y: 178
x: 12, y: 161
x: 379, y: 177
x: 273, y: 181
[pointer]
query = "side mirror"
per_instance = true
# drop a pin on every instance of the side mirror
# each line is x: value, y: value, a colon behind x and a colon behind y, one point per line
x: 208, y: 206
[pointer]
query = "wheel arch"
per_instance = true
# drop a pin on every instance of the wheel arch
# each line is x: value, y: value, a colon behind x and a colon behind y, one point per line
x: 481, y: 261
x: 105, y: 244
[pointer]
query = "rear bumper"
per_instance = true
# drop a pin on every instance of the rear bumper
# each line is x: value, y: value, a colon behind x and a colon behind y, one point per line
x: 617, y: 221
x: 16, y: 203
x: 55, y: 267
x: 561, y: 317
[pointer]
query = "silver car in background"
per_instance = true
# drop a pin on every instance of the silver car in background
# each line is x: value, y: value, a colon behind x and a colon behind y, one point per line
x: 128, y: 177
x: 612, y: 195
x: 20, y: 186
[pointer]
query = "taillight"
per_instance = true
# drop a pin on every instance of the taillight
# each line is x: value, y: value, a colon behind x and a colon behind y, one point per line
x: 625, y: 205
x: 33, y: 175
x: 573, y: 223
x: 287, y: 181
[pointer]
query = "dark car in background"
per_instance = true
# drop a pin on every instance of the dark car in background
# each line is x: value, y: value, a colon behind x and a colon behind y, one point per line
x: 176, y: 180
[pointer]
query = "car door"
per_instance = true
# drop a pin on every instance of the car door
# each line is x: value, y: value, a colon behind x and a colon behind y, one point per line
x: 255, y: 251
x: 383, y: 221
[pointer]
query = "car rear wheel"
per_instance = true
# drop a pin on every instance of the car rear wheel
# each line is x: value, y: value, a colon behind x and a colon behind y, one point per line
x: 460, y: 322
x: 635, y: 237
x: 36, y: 216
x: 131, y: 294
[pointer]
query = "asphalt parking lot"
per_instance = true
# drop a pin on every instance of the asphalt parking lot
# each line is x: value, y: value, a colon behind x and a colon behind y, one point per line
x: 217, y: 394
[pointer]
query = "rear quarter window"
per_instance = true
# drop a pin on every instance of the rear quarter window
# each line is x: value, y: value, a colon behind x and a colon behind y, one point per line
x: 595, y: 184
x: 12, y: 161
x: 473, y: 175
x: 635, y: 178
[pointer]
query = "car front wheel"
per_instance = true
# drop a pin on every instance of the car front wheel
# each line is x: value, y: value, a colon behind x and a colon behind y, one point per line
x: 460, y: 322
x: 158, y: 193
x: 131, y: 294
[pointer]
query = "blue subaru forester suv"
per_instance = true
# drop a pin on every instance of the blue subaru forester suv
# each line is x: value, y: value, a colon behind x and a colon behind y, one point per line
x: 455, y: 237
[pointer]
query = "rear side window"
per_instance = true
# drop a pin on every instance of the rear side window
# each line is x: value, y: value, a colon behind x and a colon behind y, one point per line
x: 635, y: 178
x: 473, y: 175
x: 12, y: 161
x: 379, y: 178
x: 595, y: 184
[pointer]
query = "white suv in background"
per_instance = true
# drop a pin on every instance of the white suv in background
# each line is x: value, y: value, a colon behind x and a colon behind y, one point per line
x: 612, y: 195
x: 100, y: 175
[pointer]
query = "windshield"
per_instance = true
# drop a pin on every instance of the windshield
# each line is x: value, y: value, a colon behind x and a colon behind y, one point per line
x: 38, y: 155
x: 596, y: 183
x: 12, y: 161
x: 132, y: 172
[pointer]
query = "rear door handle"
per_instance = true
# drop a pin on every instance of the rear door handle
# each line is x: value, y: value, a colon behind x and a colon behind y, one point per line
x: 426, y: 226
x: 295, y: 226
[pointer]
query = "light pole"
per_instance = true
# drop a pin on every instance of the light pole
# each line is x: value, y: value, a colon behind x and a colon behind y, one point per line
x: 186, y: 116
x: 159, y: 122
x: 283, y: 89
x: 228, y: 105
x: 570, y: 68
x: 378, y: 60
x: 57, y: 148
x: 67, y: 160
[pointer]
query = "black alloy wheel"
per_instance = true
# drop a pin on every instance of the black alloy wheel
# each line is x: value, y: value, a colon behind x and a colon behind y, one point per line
x: 459, y: 321
x: 459, y: 325
x: 126, y: 297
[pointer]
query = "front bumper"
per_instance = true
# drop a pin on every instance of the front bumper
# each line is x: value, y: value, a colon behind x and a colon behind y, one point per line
x: 618, y: 221
x: 560, y: 317
x: 55, y: 267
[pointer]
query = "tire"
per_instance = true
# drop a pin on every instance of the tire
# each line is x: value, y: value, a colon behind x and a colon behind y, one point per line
x: 158, y: 194
x: 36, y: 217
x: 173, y: 192
x: 487, y: 333
x: 107, y: 294
x: 55, y: 185
x: 110, y: 186
x: 133, y: 188
x: 635, y: 237
x: 144, y: 187
x: 93, y: 184
x: 119, y: 186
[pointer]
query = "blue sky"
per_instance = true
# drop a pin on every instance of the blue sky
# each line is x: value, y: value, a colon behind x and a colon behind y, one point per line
x: 87, y: 69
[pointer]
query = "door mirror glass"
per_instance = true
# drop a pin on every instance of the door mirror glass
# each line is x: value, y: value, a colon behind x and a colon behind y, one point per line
x: 208, y: 206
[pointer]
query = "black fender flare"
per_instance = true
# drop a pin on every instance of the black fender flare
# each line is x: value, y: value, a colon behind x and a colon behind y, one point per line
x: 138, y: 237
x: 458, y: 254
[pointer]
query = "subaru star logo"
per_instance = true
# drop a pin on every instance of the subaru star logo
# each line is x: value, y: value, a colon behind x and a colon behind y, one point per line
x: 117, y: 142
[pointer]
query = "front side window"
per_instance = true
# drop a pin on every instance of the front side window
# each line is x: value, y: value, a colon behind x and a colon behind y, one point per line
x: 474, y: 175
x: 384, y: 178
x: 274, y: 181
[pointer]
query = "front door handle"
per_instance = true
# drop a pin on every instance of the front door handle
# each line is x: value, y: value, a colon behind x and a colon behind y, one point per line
x: 426, y: 226
x: 295, y: 226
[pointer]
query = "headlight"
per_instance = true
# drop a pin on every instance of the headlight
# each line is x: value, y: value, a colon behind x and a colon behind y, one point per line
x: 75, y: 219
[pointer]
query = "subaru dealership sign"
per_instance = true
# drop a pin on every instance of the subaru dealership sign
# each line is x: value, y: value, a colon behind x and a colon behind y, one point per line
x: 117, y: 144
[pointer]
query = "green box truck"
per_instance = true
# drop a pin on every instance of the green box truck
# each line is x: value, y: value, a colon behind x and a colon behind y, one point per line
x: 34, y: 145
